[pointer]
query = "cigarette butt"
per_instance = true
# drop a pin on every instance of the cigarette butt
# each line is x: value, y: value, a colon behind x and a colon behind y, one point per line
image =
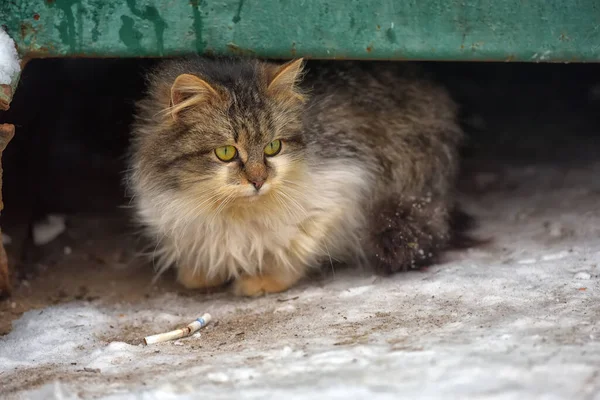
x: 179, y: 333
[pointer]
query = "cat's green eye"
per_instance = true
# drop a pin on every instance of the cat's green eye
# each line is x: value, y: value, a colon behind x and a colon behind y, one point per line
x: 273, y: 148
x: 226, y: 153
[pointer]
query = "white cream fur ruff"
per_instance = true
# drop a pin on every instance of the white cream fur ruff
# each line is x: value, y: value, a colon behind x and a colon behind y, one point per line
x: 297, y: 224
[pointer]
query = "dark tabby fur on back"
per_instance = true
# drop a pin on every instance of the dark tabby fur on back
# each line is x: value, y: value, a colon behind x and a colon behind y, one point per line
x: 255, y: 172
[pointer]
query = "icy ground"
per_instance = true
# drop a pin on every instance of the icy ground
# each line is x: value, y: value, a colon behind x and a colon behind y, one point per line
x: 516, y: 319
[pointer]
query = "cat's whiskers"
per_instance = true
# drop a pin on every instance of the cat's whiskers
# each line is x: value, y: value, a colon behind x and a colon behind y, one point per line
x: 295, y: 183
x: 161, y: 268
x: 326, y: 248
x: 330, y: 259
x: 131, y: 200
x: 286, y: 195
x: 192, y: 181
x: 230, y: 197
x: 281, y: 200
x: 288, y: 209
x: 295, y: 186
x: 191, y: 215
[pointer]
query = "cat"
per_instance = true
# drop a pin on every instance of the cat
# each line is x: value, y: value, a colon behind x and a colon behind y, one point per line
x: 256, y: 172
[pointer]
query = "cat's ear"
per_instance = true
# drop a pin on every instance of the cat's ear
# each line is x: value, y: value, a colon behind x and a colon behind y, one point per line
x: 189, y: 90
x: 285, y: 78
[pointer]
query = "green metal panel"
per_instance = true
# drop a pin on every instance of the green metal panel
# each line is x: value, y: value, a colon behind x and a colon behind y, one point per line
x: 501, y: 30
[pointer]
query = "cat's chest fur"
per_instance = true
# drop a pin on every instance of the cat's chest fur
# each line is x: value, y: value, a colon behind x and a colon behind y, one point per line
x: 320, y: 221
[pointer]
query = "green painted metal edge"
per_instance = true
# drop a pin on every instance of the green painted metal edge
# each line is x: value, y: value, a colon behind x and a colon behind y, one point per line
x: 466, y: 30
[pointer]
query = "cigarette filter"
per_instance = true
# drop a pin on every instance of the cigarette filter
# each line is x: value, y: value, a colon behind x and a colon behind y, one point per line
x: 179, y: 333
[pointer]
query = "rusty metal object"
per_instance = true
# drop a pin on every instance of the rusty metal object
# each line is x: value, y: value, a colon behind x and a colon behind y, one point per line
x: 6, y: 94
x: 7, y: 131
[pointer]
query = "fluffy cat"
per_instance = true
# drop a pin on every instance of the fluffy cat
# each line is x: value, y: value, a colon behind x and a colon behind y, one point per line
x: 256, y: 172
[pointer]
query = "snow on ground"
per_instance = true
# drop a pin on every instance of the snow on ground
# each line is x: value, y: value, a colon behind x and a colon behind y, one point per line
x: 514, y: 319
x: 9, y: 59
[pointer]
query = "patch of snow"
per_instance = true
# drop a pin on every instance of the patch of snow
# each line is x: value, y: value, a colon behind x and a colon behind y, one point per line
x: 48, y: 229
x: 527, y: 261
x: 584, y: 276
x: 555, y: 230
x: 357, y: 291
x: 288, y: 308
x: 57, y: 335
x: 555, y: 256
x: 9, y: 59
x: 6, y: 240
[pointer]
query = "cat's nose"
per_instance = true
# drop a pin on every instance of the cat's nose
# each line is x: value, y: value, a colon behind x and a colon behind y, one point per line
x: 257, y: 183
x: 256, y: 173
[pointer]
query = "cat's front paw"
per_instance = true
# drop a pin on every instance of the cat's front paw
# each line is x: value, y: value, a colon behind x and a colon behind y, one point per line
x: 259, y: 285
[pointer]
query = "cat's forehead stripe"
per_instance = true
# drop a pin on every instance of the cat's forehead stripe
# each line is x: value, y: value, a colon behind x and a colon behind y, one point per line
x: 250, y: 124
